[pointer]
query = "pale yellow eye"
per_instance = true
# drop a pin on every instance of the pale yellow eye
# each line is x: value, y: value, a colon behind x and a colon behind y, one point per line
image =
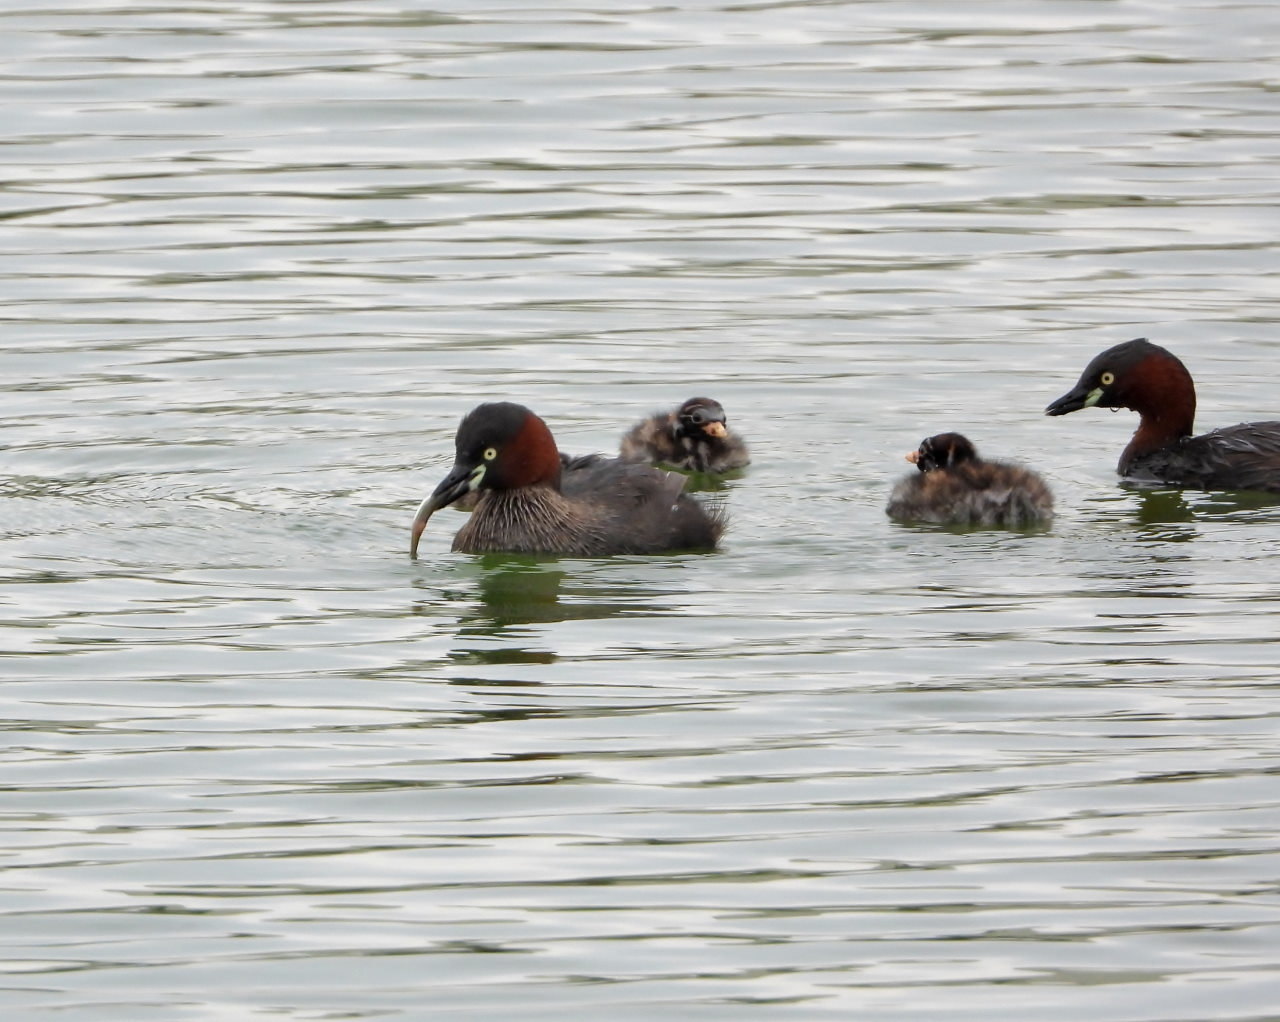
x: 1107, y: 378
x: 490, y: 453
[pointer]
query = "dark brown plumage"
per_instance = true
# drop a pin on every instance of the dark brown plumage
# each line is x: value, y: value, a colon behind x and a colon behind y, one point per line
x: 955, y: 487
x: 532, y: 501
x: 694, y: 437
x: 1153, y: 382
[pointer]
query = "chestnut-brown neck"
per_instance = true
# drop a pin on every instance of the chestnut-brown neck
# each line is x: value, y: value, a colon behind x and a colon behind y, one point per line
x: 1161, y: 391
x: 530, y: 458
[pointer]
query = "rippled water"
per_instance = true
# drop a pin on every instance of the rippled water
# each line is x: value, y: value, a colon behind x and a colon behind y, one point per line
x: 258, y: 258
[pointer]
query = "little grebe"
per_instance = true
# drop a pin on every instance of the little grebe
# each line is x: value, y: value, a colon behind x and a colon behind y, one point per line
x: 956, y: 487
x: 1154, y: 383
x: 695, y: 437
x: 532, y: 501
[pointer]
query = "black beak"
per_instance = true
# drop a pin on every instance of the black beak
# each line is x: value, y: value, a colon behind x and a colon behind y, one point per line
x: 452, y: 486
x: 1072, y: 401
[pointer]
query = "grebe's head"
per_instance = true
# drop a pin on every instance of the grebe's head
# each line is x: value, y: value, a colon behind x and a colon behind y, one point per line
x: 945, y: 450
x: 699, y: 417
x: 1136, y: 374
x: 500, y: 446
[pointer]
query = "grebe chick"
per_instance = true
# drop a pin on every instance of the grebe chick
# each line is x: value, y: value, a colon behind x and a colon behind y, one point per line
x: 955, y: 487
x: 694, y: 437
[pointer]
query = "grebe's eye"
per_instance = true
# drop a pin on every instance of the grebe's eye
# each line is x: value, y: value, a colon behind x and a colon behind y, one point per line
x: 490, y: 453
x: 1107, y: 378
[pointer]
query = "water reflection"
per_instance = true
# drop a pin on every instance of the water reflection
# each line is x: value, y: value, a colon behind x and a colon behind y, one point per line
x: 515, y: 590
x: 1168, y: 507
x: 1231, y: 502
x: 1164, y: 507
x: 515, y: 596
x: 712, y: 482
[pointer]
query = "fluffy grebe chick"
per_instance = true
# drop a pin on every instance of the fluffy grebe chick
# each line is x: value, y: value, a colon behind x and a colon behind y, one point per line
x: 1154, y: 383
x: 532, y: 502
x: 955, y: 487
x: 694, y: 437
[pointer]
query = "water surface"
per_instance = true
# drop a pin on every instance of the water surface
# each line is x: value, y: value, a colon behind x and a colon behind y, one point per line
x: 257, y: 261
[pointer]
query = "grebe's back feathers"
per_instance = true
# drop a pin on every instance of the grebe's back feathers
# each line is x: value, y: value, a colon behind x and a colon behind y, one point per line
x: 1242, y: 457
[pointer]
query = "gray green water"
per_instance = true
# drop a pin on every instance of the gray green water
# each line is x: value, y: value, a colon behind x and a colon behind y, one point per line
x: 257, y: 260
